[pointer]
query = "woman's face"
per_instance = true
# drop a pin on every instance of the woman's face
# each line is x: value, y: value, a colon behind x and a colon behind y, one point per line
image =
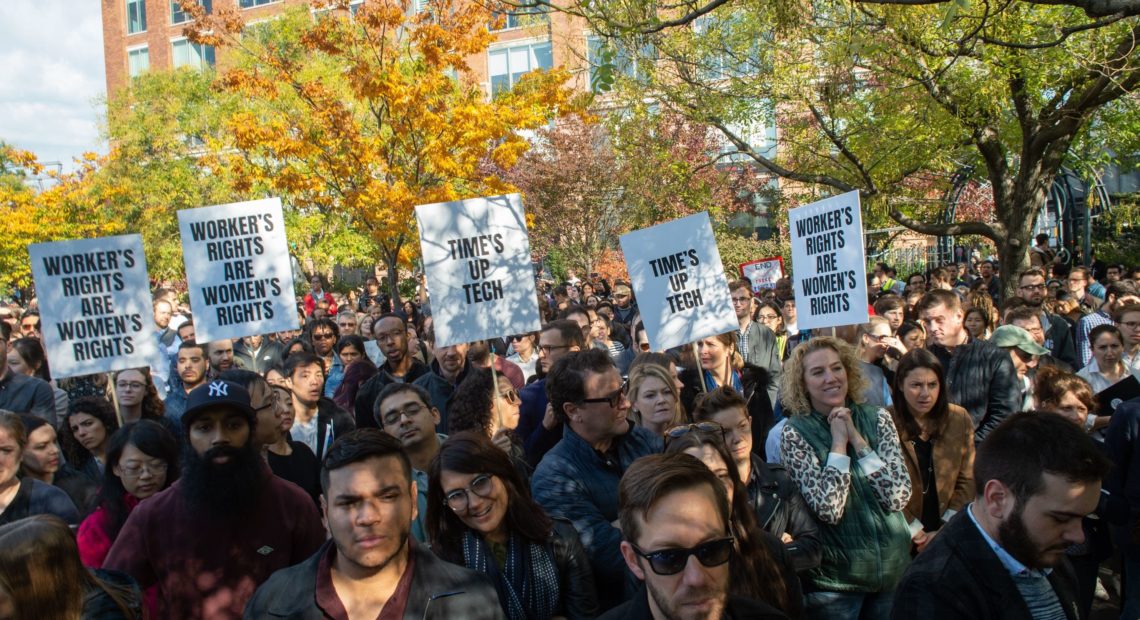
x: 771, y: 319
x: 41, y: 457
x: 409, y: 308
x: 17, y: 363
x: 975, y: 324
x: 283, y: 399
x: 711, y: 458
x: 507, y: 401
x: 1071, y: 407
x: 655, y: 401
x: 88, y: 431
x: 875, y: 341
x: 712, y: 353
x: 143, y: 475
x: 737, y: 432
x: 920, y: 389
x: 1107, y: 350
x: 365, y: 327
x: 915, y: 339
x: 523, y: 345
x: 485, y: 515
x: 274, y: 377
x: 598, y: 329
x: 825, y: 378
x: 349, y: 354
x: 10, y: 456
x: 130, y: 388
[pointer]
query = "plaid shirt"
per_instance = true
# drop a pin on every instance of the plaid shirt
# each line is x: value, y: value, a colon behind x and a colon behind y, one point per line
x: 1084, y: 326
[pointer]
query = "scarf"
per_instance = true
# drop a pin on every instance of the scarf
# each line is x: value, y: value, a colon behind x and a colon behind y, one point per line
x: 710, y: 381
x: 527, y: 584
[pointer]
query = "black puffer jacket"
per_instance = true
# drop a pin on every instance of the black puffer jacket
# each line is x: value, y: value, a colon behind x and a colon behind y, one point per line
x: 981, y: 379
x: 780, y: 508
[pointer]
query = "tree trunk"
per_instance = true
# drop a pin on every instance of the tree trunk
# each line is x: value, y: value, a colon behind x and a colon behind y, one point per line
x: 391, y: 262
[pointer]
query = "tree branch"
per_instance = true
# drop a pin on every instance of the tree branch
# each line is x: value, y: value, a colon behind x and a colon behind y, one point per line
x: 956, y: 228
x: 1092, y: 8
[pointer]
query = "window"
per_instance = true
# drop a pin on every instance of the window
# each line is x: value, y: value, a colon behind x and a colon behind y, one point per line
x: 599, y: 52
x: 730, y: 48
x: 178, y: 16
x: 248, y: 4
x: 136, y: 16
x: 506, y: 65
x: 188, y: 54
x: 524, y: 17
x: 138, y: 60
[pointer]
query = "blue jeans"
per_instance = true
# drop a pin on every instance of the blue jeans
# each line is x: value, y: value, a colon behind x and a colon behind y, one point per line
x: 848, y: 605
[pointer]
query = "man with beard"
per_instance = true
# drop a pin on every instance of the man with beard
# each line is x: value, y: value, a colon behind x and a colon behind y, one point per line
x: 677, y: 540
x: 391, y: 333
x: 448, y: 369
x: 1037, y: 476
x: 538, y: 427
x: 226, y: 525
x: 190, y: 367
x: 371, y: 568
x: 318, y: 420
x: 1058, y: 335
x: 221, y: 356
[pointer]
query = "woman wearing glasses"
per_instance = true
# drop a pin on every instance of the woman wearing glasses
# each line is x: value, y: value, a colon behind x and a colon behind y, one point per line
x: 480, y: 515
x: 138, y: 398
x: 759, y: 567
x: 847, y: 460
x: 768, y: 314
x: 142, y: 459
x: 489, y: 407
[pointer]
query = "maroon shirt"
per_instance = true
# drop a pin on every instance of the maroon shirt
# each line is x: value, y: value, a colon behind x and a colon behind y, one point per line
x: 330, y: 603
x: 209, y: 567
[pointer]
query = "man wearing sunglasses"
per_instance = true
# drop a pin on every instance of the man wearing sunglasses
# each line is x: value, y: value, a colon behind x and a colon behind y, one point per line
x: 578, y: 478
x: 677, y: 542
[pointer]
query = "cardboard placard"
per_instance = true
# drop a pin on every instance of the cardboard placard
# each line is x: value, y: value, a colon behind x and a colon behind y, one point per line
x: 763, y: 273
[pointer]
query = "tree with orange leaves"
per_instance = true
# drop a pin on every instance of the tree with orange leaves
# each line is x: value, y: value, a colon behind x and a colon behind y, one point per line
x: 370, y: 114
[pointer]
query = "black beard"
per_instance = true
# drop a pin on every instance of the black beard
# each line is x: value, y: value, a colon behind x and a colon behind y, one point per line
x: 1013, y: 536
x: 223, y: 490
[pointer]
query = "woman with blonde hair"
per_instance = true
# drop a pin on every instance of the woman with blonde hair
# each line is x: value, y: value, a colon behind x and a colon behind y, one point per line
x: 848, y: 462
x: 655, y: 399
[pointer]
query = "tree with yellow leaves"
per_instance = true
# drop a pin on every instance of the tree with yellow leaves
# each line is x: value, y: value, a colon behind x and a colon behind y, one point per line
x: 371, y: 113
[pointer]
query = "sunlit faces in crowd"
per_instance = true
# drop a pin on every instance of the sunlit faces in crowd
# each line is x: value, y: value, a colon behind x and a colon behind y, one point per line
x: 42, y: 455
x: 221, y: 353
x: 825, y: 379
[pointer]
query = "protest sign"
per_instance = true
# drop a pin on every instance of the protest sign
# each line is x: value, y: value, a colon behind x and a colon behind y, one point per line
x: 95, y: 305
x: 679, y: 281
x: 763, y: 273
x: 238, y: 269
x: 830, y: 272
x: 476, y: 257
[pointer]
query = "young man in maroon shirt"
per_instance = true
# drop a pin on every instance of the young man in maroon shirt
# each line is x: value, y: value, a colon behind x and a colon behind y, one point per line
x: 226, y: 525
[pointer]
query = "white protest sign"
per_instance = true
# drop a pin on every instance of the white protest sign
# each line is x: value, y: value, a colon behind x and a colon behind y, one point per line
x: 95, y: 305
x: 830, y: 272
x: 676, y: 273
x: 476, y: 256
x: 763, y: 273
x: 238, y: 269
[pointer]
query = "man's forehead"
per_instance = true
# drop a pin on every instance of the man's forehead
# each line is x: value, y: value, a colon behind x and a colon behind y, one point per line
x: 220, y: 413
x: 551, y: 336
x: 399, y: 400
x: 368, y: 475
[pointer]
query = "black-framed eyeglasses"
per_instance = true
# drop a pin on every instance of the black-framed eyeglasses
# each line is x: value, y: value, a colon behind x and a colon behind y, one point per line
x: 672, y: 561
x: 391, y: 418
x: 458, y: 500
x: 613, y: 399
x: 547, y: 348
x: 704, y: 428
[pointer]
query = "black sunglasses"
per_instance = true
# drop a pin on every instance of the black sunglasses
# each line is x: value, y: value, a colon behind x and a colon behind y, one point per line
x: 614, y: 399
x: 705, y: 428
x: 672, y: 561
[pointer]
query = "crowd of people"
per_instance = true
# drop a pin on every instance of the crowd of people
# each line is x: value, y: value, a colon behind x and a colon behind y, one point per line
x: 962, y: 454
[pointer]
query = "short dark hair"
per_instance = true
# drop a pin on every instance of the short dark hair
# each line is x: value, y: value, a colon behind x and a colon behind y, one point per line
x: 360, y: 445
x: 650, y: 478
x: 5, y: 331
x: 299, y: 360
x: 573, y: 309
x: 191, y: 344
x: 352, y: 340
x: 1022, y: 313
x: 889, y: 302
x: 243, y: 377
x: 718, y: 400
x: 391, y: 315
x: 938, y: 297
x: 1118, y: 314
x: 393, y: 389
x: 1032, y: 271
x: 570, y: 331
x: 1121, y: 288
x: 741, y: 283
x: 1107, y: 328
x: 1027, y: 445
x: 566, y: 382
x: 322, y: 322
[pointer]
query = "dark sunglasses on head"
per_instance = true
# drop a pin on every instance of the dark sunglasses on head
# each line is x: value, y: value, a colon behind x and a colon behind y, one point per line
x: 673, y: 561
x: 705, y: 428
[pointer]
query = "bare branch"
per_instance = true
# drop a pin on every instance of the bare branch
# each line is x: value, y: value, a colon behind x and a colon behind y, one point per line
x: 957, y: 228
x: 1092, y: 8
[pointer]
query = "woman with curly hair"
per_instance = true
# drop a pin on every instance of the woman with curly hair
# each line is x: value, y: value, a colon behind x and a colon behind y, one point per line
x: 83, y: 434
x: 138, y: 398
x: 848, y: 462
x: 480, y: 404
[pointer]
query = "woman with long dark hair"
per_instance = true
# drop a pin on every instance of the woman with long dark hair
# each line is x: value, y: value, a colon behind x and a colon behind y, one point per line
x: 480, y: 514
x: 142, y: 459
x: 43, y: 578
x: 41, y: 460
x: 937, y: 438
x: 83, y: 434
x: 760, y: 567
x: 481, y: 404
x: 20, y: 498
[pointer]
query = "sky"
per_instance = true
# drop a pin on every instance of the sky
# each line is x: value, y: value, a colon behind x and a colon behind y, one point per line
x: 52, y: 77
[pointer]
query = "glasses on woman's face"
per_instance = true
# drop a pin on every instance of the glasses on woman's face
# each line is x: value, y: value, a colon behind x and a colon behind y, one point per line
x: 704, y: 428
x: 134, y: 470
x: 672, y: 561
x: 130, y: 385
x: 458, y: 500
x: 511, y: 396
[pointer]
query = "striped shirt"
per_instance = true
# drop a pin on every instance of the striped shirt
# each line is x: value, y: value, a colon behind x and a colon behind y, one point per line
x: 1032, y: 584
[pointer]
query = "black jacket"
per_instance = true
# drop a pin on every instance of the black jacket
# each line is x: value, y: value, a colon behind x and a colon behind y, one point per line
x: 780, y: 508
x: 440, y: 591
x: 754, y: 380
x: 268, y: 356
x: 1122, y: 446
x: 1059, y: 339
x: 737, y: 609
x: 959, y: 576
x: 370, y: 390
x: 981, y: 379
x: 329, y: 416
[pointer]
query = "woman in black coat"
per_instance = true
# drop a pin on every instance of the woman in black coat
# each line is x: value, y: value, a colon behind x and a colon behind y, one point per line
x: 480, y: 515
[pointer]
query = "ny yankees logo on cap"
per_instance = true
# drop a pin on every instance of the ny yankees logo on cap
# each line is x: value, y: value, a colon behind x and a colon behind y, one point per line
x: 219, y: 388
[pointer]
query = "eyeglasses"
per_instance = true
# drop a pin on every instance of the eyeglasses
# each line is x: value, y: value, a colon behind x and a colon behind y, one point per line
x: 1032, y: 287
x: 705, y: 428
x: 391, y: 336
x: 323, y: 336
x: 134, y: 470
x: 741, y: 300
x: 612, y: 399
x: 459, y: 499
x: 1130, y: 324
x: 547, y: 348
x: 672, y: 561
x: 411, y: 411
x: 769, y: 317
x: 133, y: 385
x: 511, y: 396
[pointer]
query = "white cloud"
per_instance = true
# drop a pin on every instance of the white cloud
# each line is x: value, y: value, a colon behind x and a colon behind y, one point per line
x: 51, y: 76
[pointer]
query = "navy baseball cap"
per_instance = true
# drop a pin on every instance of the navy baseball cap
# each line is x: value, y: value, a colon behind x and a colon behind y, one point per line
x: 217, y: 394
